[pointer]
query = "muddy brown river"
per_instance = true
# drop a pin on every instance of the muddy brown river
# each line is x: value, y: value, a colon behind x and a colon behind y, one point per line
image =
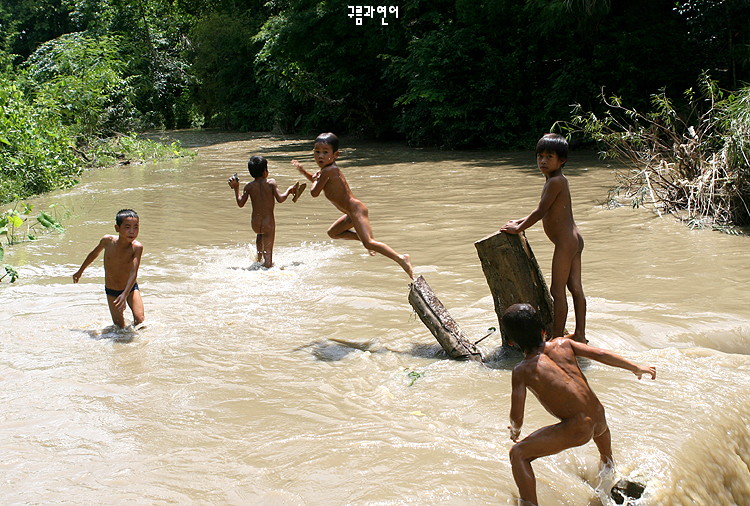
x: 313, y: 383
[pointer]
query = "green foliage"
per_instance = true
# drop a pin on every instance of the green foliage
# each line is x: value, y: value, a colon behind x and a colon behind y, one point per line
x: 62, y: 112
x: 9, y: 271
x: 36, y: 150
x: 329, y: 72
x: 718, y: 32
x: 81, y: 77
x: 452, y: 73
x: 455, y: 96
x: 413, y: 376
x: 226, y: 89
x: 17, y: 226
x: 127, y: 148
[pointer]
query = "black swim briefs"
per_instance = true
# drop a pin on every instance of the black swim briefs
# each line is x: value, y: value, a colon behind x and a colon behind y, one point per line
x: 116, y: 293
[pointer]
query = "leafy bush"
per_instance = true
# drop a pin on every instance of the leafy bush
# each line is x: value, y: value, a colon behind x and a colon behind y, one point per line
x: 63, y: 112
x: 693, y: 161
x: 82, y: 78
x: 17, y: 226
x: 36, y: 150
x: 128, y: 148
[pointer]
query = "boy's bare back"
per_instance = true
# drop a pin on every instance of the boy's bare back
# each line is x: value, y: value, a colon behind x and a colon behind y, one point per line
x: 557, y: 381
x: 553, y: 375
x: 261, y: 192
x: 550, y: 370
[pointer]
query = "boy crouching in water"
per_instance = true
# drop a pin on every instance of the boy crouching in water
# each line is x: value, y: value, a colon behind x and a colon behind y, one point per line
x: 551, y: 372
x: 122, y: 257
x: 263, y: 194
x: 355, y: 222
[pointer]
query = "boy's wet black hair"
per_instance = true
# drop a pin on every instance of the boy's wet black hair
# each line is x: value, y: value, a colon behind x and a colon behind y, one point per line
x: 125, y: 213
x: 522, y: 326
x: 554, y: 143
x: 257, y: 165
x: 328, y: 138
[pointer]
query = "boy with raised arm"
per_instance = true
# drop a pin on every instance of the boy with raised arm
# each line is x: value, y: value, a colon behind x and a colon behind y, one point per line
x: 556, y: 212
x: 551, y: 372
x: 263, y: 194
x: 355, y: 223
x: 122, y: 257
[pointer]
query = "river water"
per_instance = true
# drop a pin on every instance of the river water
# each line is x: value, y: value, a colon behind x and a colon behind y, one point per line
x: 313, y: 383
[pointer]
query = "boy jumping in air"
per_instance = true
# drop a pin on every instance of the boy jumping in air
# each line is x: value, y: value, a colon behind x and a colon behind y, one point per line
x: 263, y: 194
x: 355, y: 223
x: 556, y: 212
x: 551, y: 372
x: 122, y: 257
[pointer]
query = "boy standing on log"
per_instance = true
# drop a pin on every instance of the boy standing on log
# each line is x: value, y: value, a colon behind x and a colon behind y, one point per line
x: 331, y: 181
x: 556, y: 212
x: 122, y: 257
x: 263, y: 194
x: 551, y: 372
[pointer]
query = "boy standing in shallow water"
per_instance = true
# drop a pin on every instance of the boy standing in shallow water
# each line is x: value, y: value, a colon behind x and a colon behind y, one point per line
x: 122, y: 257
x: 556, y: 212
x: 551, y: 372
x: 263, y: 194
x: 331, y: 181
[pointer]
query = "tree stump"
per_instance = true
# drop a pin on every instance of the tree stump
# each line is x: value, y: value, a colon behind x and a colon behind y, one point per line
x: 436, y: 318
x: 514, y: 276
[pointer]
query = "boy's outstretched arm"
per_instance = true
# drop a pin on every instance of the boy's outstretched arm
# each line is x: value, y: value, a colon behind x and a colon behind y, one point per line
x: 612, y: 359
x: 302, y: 170
x: 280, y: 197
x: 517, y: 404
x: 89, y: 258
x: 551, y: 190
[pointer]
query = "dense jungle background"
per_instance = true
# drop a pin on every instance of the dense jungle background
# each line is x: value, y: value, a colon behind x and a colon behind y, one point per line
x: 78, y: 77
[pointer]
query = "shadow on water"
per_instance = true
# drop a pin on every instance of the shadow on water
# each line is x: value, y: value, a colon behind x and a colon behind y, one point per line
x: 255, y: 266
x: 258, y: 266
x: 355, y: 152
x: 112, y: 333
x: 334, y: 349
x: 503, y: 357
x: 201, y: 138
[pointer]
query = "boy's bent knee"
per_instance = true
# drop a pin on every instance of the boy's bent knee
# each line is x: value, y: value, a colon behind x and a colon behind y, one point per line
x: 517, y: 453
x: 369, y: 244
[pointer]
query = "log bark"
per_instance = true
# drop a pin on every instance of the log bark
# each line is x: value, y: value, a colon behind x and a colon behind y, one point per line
x: 433, y: 314
x: 514, y: 276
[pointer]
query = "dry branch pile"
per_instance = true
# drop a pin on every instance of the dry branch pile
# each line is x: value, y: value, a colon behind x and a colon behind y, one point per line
x: 694, y: 163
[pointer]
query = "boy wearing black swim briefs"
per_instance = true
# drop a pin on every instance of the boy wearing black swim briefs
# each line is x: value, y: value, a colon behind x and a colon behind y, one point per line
x: 122, y: 257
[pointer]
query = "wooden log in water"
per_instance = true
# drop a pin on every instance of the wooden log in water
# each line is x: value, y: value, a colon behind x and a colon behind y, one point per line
x: 433, y: 314
x: 514, y: 276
